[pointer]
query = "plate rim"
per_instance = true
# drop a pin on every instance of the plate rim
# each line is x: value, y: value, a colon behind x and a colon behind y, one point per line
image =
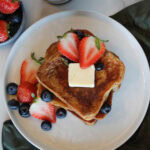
x: 55, y: 15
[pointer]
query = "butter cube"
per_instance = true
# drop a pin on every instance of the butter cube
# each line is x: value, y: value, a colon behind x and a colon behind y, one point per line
x: 79, y: 77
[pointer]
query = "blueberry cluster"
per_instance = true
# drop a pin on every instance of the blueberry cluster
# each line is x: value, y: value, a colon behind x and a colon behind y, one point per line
x: 23, y: 108
x: 14, y: 104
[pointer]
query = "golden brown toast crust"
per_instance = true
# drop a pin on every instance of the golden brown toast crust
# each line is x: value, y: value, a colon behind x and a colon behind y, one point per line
x: 58, y: 103
x: 86, y: 102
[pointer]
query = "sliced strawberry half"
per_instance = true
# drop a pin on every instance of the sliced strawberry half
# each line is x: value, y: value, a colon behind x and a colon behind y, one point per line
x: 43, y: 110
x: 91, y: 49
x: 28, y: 71
x: 68, y: 46
x: 26, y: 92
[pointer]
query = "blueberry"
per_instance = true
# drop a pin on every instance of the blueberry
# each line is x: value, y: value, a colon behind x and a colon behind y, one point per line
x: 13, y: 104
x: 99, y: 66
x: 14, y: 18
x: 12, y: 88
x: 24, y: 110
x: 106, y: 108
x: 61, y: 113
x: 68, y: 61
x: 46, y: 96
x: 46, y: 125
x: 80, y: 34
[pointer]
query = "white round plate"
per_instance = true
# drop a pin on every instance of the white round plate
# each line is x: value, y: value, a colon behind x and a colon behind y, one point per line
x: 129, y: 103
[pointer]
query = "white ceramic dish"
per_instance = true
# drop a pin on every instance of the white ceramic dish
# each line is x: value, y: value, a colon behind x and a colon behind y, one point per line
x: 129, y: 103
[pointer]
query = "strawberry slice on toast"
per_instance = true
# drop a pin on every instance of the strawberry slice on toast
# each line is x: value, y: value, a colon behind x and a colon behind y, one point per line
x: 68, y: 46
x: 91, y: 49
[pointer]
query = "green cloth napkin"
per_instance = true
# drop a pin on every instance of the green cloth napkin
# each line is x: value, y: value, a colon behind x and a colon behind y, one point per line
x: 12, y: 139
x: 136, y: 19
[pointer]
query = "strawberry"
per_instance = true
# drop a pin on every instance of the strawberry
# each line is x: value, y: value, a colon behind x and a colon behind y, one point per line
x: 3, y: 31
x: 9, y: 6
x: 91, y: 49
x: 28, y: 71
x: 43, y: 110
x: 68, y: 46
x: 26, y: 92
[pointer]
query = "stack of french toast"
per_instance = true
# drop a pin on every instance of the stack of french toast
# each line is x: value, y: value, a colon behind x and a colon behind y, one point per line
x: 85, y: 103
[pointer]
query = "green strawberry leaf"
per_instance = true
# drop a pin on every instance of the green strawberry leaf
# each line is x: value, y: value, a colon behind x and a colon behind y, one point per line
x: 35, y: 100
x: 39, y: 61
x: 65, y: 34
x: 59, y: 37
x: 97, y: 43
x: 86, y: 35
x: 71, y: 30
x: 105, y: 40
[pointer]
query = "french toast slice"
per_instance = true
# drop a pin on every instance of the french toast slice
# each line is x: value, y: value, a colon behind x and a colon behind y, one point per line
x: 58, y: 103
x: 85, y: 102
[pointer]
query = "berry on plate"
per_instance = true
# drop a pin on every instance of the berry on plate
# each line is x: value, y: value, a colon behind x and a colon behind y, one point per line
x: 42, y: 110
x: 26, y: 92
x: 12, y: 88
x: 91, y: 49
x: 9, y: 6
x: 24, y: 110
x: 28, y: 71
x: 13, y: 104
x: 68, y: 46
x: 3, y: 31
x: 46, y: 125
x: 61, y: 113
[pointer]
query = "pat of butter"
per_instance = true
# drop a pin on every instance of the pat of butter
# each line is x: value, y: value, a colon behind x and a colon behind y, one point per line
x: 79, y: 77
